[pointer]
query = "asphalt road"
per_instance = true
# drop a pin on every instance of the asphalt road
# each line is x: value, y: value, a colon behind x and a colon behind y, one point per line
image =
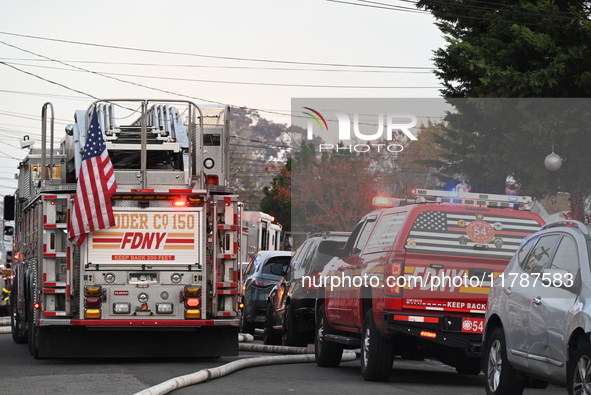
x: 21, y: 374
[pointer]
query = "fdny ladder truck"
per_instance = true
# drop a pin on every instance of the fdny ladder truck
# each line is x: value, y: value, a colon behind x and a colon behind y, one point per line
x: 161, y: 282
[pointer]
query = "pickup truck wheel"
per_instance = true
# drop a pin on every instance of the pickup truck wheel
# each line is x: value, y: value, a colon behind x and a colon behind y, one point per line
x: 579, y: 371
x: 290, y: 336
x: 328, y: 354
x: 501, y: 377
x: 271, y: 337
x: 377, y: 352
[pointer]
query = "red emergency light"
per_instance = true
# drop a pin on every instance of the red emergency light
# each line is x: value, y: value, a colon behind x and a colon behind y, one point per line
x: 431, y: 335
x: 179, y: 203
x: 384, y: 202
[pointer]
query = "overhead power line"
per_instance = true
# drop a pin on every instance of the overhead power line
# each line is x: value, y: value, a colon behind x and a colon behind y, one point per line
x: 117, y: 79
x: 257, y: 83
x: 491, y: 13
x: 48, y: 80
x: 393, y: 69
x: 200, y: 55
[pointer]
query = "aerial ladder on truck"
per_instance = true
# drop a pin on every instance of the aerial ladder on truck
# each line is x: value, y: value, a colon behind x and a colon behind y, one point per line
x: 161, y: 281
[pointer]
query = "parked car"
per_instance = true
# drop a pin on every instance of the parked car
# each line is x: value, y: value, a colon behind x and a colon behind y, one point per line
x: 538, y: 319
x: 290, y: 316
x: 261, y: 275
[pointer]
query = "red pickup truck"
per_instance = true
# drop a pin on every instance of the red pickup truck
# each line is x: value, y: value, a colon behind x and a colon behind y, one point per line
x: 413, y: 280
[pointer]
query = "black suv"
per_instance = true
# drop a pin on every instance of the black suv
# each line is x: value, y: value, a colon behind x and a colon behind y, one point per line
x: 290, y: 316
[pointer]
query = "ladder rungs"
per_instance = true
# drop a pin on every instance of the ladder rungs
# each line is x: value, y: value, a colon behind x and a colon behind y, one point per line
x: 54, y: 255
x: 54, y: 313
x: 226, y: 314
x: 227, y: 227
x: 55, y: 284
x: 55, y: 226
x: 54, y: 290
x: 227, y: 256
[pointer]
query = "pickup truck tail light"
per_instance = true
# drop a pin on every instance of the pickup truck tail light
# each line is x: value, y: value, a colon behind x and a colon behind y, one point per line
x: 394, y: 277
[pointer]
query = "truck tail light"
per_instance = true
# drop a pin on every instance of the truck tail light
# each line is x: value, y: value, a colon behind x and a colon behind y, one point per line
x: 93, y: 301
x: 191, y: 297
x: 192, y: 302
x: 192, y: 291
x: 193, y: 314
x: 394, y: 277
x: 92, y: 313
x: 92, y: 290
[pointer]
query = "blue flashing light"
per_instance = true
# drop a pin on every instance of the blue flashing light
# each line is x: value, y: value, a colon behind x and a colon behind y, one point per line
x: 512, y: 198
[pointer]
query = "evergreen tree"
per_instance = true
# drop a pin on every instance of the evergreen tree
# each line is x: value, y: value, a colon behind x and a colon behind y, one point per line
x: 517, y: 49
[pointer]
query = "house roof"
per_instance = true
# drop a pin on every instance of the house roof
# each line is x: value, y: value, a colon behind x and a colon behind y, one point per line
x: 556, y: 204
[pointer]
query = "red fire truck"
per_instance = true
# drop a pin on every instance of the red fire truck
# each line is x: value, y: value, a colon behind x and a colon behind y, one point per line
x: 413, y: 279
x: 163, y: 280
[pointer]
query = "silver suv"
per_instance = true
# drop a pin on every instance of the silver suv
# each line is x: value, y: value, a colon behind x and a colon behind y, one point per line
x: 538, y: 318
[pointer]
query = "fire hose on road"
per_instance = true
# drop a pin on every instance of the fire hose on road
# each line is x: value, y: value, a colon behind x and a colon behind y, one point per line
x: 3, y: 322
x: 294, y: 355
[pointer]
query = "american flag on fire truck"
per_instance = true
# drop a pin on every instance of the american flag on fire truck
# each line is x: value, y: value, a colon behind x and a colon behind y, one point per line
x: 92, y: 208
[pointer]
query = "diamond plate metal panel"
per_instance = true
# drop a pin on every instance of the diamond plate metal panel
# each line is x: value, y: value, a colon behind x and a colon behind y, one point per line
x: 175, y: 178
x: 154, y: 288
x: 132, y: 178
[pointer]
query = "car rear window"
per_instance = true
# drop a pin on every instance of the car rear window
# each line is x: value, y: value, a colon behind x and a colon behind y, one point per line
x: 279, y: 262
x: 478, y: 234
x: 326, y: 251
x: 386, y: 230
